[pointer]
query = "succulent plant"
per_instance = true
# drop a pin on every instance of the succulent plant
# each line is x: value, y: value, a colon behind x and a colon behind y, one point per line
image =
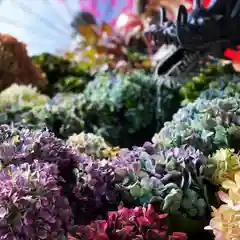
x: 222, y: 165
x: 138, y: 223
x: 31, y: 203
x: 205, y: 124
x: 92, y: 145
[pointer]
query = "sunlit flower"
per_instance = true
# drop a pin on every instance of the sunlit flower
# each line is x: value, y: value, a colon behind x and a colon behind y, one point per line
x: 226, y: 164
x: 233, y: 188
x: 225, y: 223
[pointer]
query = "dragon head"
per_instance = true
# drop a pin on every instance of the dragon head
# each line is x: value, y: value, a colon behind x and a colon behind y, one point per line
x: 182, y: 44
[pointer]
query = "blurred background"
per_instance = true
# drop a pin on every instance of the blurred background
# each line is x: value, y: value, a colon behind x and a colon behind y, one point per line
x: 45, y: 25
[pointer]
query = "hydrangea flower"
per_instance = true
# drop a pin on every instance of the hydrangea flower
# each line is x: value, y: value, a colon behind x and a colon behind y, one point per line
x: 92, y: 145
x: 222, y: 165
x: 169, y: 178
x: 22, y: 95
x: 31, y: 204
x: 205, y: 124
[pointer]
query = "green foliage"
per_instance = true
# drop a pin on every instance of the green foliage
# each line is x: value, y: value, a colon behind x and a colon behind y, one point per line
x: 63, y: 75
x: 200, y: 82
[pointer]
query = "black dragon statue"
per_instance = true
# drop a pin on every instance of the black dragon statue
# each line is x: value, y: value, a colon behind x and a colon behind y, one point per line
x: 194, y: 35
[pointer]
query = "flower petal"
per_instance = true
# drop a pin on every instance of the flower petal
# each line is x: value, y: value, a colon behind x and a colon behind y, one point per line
x: 224, y: 197
x: 228, y: 184
x: 208, y: 228
x: 237, y: 179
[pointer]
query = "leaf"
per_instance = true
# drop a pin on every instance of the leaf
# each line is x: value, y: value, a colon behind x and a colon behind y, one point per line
x: 228, y: 184
x: 136, y: 190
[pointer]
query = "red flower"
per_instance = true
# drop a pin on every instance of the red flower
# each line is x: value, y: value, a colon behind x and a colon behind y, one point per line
x: 234, y: 55
x: 135, y: 224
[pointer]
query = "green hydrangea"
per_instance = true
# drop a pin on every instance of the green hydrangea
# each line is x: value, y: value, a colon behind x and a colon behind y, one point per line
x: 62, y: 115
x: 128, y: 109
x: 205, y: 124
x: 22, y: 95
x: 92, y: 145
x: 225, y: 86
x: 16, y: 100
x: 222, y: 165
x: 170, y: 179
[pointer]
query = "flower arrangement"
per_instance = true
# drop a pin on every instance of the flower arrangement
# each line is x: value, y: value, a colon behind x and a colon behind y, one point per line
x: 60, y: 177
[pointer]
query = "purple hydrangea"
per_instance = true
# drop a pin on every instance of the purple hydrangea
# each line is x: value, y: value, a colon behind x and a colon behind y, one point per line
x: 43, y: 146
x: 31, y: 204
